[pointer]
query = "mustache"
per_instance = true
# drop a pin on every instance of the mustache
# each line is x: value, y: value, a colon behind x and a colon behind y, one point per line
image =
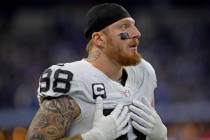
x: 134, y: 42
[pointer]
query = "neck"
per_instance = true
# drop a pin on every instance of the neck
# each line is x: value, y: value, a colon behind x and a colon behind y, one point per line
x: 109, y: 67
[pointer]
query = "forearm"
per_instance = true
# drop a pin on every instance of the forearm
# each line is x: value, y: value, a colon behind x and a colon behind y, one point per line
x: 53, y: 120
x: 43, y: 136
x: 76, y: 137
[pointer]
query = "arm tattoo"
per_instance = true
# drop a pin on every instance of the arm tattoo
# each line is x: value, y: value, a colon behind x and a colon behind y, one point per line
x: 53, y: 119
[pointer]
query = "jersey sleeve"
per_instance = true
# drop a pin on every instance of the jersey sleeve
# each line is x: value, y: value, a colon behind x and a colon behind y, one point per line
x: 54, y: 82
x: 148, y: 80
x: 67, y: 79
x: 151, y: 73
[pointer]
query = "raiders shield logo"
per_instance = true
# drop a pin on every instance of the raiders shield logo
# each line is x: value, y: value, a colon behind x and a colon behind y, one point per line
x: 98, y: 90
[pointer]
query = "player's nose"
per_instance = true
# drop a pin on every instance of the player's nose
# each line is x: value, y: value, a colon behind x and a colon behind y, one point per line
x: 136, y: 34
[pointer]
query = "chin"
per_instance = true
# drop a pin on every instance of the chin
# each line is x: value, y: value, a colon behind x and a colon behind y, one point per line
x: 130, y: 60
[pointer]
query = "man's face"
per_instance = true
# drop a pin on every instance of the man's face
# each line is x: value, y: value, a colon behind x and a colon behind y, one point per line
x: 123, y: 52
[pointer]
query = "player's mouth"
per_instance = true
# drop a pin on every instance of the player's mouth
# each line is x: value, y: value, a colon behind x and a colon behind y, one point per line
x: 132, y: 48
x: 133, y: 45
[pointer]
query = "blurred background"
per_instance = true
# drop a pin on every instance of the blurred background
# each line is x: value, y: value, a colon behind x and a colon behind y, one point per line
x: 36, y: 34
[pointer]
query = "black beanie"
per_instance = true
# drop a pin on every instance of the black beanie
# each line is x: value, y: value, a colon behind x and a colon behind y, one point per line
x: 101, y: 16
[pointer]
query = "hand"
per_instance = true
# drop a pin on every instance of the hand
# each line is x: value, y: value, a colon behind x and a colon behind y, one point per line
x: 108, y: 127
x: 146, y: 120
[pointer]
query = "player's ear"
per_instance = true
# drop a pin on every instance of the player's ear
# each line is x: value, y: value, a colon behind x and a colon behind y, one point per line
x: 98, y: 39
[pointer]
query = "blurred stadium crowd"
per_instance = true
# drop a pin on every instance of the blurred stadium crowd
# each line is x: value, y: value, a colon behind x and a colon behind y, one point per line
x: 175, y: 39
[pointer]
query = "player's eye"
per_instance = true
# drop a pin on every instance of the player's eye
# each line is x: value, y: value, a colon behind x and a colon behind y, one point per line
x: 124, y: 26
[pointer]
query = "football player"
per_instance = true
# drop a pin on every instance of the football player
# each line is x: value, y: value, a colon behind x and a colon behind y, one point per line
x: 108, y: 95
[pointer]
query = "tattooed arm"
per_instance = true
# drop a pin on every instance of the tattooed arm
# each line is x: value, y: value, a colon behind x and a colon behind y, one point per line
x: 55, y: 116
x: 53, y: 119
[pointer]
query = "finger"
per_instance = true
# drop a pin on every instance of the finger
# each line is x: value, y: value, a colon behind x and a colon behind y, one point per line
x: 126, y: 130
x: 142, y: 121
x: 142, y: 114
x: 123, y: 114
x: 116, y: 112
x: 125, y: 121
x: 144, y: 107
x: 140, y: 128
x: 99, y: 107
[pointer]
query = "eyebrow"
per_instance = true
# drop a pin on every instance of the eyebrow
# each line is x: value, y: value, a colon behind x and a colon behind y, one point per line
x: 129, y: 21
x: 125, y: 21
